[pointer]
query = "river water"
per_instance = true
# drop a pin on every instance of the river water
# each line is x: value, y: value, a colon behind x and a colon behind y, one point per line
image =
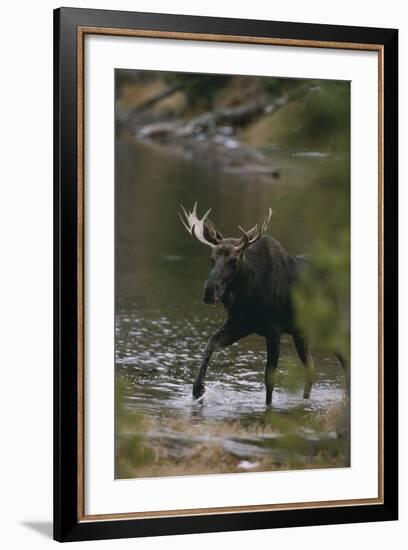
x: 162, y: 324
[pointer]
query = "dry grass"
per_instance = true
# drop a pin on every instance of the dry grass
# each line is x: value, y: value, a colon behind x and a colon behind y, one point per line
x: 329, y: 420
x: 269, y: 128
x: 133, y: 95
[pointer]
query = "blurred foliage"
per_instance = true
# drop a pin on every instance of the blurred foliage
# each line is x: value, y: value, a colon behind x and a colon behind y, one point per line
x: 325, y: 114
x: 125, y: 77
x: 276, y: 87
x: 200, y: 89
x: 305, y: 436
x: 318, y: 118
x: 130, y: 448
x: 323, y: 294
x: 322, y: 297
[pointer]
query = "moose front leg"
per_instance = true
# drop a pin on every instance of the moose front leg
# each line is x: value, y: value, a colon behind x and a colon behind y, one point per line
x: 272, y: 358
x: 225, y: 336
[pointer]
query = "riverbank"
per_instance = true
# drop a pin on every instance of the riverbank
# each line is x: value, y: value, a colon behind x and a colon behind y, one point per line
x: 232, y: 128
x: 299, y: 440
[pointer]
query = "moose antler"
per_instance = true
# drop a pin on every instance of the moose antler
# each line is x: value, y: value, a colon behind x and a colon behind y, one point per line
x: 206, y: 233
x: 201, y: 229
x: 251, y: 236
x: 212, y: 232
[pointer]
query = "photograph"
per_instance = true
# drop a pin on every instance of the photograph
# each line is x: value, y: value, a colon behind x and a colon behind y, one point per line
x: 232, y: 273
x: 225, y: 274
x: 202, y: 243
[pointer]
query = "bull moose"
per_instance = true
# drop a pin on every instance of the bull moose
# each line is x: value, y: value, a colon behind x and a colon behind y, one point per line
x: 252, y: 277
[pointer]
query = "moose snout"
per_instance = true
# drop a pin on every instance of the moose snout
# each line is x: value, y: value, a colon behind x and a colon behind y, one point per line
x: 211, y: 293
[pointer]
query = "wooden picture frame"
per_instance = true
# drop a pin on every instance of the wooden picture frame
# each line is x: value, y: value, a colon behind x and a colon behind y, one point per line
x: 71, y: 26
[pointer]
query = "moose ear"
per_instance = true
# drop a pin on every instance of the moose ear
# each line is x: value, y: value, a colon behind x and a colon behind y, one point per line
x: 241, y: 252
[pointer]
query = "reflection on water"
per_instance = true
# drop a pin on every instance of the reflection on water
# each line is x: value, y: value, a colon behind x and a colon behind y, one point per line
x: 162, y: 324
x: 160, y: 358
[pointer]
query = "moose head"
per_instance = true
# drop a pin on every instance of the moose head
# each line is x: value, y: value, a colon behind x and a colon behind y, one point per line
x: 227, y: 254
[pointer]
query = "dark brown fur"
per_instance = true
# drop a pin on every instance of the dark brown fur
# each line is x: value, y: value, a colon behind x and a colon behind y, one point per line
x: 256, y: 290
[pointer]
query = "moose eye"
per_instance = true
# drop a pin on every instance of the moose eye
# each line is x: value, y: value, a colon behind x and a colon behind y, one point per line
x: 233, y: 262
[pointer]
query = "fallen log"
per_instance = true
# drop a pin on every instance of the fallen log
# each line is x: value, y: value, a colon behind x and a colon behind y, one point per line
x: 170, y: 90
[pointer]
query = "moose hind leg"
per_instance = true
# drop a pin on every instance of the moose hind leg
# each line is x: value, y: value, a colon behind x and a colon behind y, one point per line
x: 225, y: 336
x: 272, y: 349
x: 305, y: 355
x: 346, y: 367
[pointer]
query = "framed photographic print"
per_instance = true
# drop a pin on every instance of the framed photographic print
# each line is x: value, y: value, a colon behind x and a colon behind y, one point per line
x: 225, y: 274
